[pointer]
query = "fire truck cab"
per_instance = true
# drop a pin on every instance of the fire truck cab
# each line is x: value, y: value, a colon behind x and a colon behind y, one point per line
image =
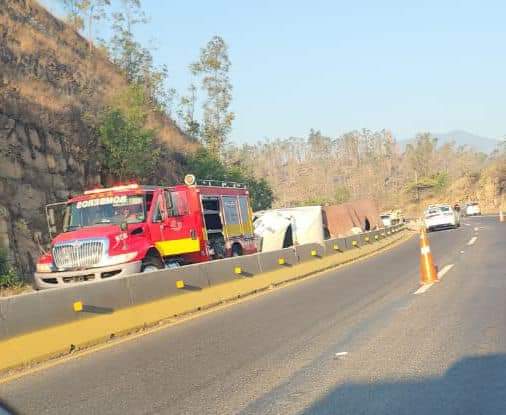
x: 134, y: 228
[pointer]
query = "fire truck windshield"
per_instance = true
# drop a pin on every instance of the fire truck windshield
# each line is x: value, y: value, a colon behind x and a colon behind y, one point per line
x: 105, y: 210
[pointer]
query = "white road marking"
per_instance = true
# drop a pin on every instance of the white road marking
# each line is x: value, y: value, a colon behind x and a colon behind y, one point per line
x: 472, y: 240
x: 423, y: 288
x: 440, y: 275
x: 340, y: 355
x: 476, y: 229
x: 444, y: 270
x: 467, y: 224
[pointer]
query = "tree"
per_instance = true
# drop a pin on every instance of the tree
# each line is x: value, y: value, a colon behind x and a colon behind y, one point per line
x: 420, y: 155
x: 128, y: 147
x: 186, y: 112
x: 261, y: 193
x: 136, y: 61
x: 84, y: 13
x: 74, y: 15
x: 126, y: 52
x: 205, y: 165
x: 214, y: 65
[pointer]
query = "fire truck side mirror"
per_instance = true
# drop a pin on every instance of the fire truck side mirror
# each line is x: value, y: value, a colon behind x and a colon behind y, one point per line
x: 50, y: 217
x: 51, y: 221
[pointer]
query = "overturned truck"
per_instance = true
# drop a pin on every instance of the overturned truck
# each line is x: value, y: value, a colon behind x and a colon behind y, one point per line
x: 352, y: 217
x: 282, y: 228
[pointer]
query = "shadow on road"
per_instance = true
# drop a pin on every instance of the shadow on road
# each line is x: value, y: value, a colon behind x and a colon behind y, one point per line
x: 474, y: 385
x: 6, y: 409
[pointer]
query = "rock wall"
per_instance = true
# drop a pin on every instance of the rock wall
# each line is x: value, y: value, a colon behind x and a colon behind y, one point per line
x: 51, y: 91
x: 36, y: 169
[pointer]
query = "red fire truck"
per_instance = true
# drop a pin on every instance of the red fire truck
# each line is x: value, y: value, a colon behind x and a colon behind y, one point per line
x: 132, y: 228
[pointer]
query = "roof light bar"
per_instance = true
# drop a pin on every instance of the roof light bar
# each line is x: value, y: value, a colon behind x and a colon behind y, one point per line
x: 219, y: 183
x: 112, y: 189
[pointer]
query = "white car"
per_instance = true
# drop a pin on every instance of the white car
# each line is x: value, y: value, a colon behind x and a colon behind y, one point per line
x: 441, y: 217
x: 472, y: 209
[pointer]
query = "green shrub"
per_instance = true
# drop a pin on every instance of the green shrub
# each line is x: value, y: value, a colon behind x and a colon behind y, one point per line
x: 9, y: 278
x: 128, y: 150
x: 205, y: 166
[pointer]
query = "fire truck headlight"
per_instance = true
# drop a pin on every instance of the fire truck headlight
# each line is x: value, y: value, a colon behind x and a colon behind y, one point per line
x: 47, y: 267
x: 118, y: 259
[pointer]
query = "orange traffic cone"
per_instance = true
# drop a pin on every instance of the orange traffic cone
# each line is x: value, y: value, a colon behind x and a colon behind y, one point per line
x: 428, y: 272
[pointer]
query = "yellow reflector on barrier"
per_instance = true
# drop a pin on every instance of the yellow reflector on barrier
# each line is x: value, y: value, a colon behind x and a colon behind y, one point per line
x: 313, y: 252
x: 237, y: 270
x: 336, y: 247
x: 366, y: 239
x: 354, y: 243
x: 180, y: 284
x: 78, y: 306
x: 376, y: 237
x: 281, y: 261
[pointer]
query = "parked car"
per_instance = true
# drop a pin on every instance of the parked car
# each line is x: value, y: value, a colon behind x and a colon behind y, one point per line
x: 441, y: 217
x: 472, y: 209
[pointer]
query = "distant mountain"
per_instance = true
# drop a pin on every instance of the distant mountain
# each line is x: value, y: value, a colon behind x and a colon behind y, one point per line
x: 462, y: 138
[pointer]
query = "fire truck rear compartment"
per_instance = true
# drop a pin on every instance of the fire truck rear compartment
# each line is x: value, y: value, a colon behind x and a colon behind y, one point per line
x: 214, y: 226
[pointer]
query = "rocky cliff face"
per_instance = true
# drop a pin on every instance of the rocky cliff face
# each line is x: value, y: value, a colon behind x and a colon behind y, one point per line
x: 48, y: 84
x: 35, y: 170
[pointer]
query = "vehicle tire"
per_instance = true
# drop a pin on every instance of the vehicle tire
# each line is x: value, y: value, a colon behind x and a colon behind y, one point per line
x: 236, y: 250
x: 151, y: 263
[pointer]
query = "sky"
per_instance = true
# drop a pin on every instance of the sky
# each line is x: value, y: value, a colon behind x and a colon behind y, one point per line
x: 339, y: 65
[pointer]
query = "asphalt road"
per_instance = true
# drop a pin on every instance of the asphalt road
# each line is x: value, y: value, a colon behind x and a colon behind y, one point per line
x: 354, y: 340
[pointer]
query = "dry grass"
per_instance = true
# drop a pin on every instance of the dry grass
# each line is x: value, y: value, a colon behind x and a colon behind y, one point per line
x: 44, y: 95
x: 46, y: 40
x: 8, y: 292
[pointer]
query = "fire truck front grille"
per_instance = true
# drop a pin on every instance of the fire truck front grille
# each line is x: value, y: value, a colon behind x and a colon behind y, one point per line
x: 78, y: 254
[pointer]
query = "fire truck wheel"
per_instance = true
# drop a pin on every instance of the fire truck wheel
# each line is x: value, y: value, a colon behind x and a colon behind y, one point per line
x: 150, y: 264
x: 236, y: 250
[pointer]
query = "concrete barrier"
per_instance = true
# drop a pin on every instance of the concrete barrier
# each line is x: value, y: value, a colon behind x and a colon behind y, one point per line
x: 231, y: 269
x: 353, y: 242
x: 368, y: 237
x: 310, y: 252
x: 44, y: 324
x: 34, y: 311
x: 335, y: 246
x: 378, y: 234
x: 152, y: 286
x: 279, y: 259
